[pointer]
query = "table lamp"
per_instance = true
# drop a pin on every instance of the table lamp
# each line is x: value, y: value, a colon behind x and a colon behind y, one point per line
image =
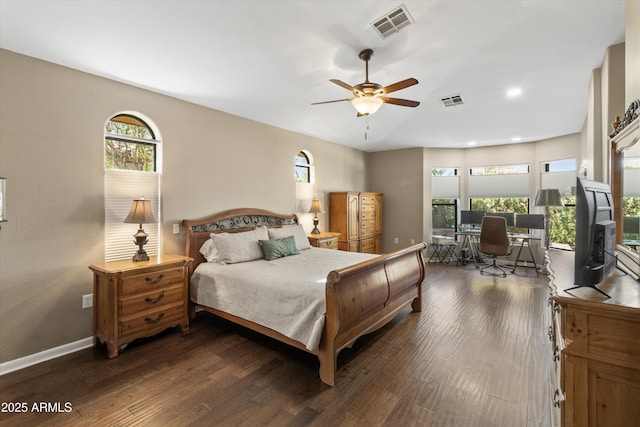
x: 316, y: 208
x: 140, y: 213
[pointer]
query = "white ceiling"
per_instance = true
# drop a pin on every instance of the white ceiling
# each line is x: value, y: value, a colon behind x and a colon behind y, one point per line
x: 269, y: 60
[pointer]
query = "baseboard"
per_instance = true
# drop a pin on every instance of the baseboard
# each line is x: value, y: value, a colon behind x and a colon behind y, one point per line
x: 43, y: 356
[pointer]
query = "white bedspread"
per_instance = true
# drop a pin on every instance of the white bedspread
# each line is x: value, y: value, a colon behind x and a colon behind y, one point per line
x: 286, y: 295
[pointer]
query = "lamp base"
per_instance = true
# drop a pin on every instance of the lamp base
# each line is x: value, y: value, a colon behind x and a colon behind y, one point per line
x: 141, y: 255
x: 315, y: 226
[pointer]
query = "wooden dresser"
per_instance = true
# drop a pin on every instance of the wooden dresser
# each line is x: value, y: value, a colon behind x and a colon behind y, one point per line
x: 326, y: 240
x: 358, y: 219
x: 139, y: 299
x: 597, y: 345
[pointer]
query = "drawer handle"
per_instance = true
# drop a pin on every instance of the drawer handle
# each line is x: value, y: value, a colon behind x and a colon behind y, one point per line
x: 153, y: 301
x: 153, y: 282
x: 156, y: 320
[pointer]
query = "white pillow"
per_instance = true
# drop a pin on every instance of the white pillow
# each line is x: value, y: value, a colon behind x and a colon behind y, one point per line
x: 209, y: 251
x: 296, y: 231
x: 239, y: 247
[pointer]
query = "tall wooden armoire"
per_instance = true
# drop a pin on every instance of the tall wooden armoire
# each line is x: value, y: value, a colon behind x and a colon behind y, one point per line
x: 358, y: 219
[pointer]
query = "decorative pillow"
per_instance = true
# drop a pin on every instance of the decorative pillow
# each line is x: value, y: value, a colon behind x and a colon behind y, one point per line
x: 278, y: 248
x: 296, y: 231
x: 239, y: 247
x: 209, y: 251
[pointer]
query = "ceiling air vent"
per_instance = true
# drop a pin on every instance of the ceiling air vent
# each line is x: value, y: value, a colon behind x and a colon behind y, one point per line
x: 452, y: 101
x: 392, y: 22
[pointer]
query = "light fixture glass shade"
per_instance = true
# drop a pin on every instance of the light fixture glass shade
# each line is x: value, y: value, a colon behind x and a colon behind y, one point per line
x: 548, y: 197
x: 316, y: 207
x: 140, y: 212
x: 366, y: 105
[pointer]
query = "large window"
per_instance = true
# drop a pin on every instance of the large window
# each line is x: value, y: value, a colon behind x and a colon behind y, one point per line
x: 132, y: 170
x: 303, y: 168
x: 561, y: 174
x: 445, y: 190
x: 631, y: 198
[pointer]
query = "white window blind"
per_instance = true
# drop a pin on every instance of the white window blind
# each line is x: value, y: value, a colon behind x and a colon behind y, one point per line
x: 560, y: 180
x: 631, y: 185
x: 499, y: 185
x: 445, y: 187
x: 121, y: 187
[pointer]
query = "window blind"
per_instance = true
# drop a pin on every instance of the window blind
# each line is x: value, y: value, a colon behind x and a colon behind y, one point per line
x: 445, y: 187
x: 631, y: 186
x: 560, y: 180
x: 500, y: 185
x: 121, y: 187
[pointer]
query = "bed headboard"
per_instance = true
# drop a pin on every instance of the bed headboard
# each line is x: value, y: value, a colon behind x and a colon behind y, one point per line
x: 230, y: 221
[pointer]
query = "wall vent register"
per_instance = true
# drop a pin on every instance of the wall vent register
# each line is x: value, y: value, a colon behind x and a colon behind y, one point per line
x: 452, y: 101
x: 392, y: 22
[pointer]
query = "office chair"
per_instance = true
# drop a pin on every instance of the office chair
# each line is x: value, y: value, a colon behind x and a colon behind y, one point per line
x: 494, y: 241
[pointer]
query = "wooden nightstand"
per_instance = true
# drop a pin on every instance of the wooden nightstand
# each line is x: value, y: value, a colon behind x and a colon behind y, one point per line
x: 326, y: 239
x: 139, y: 299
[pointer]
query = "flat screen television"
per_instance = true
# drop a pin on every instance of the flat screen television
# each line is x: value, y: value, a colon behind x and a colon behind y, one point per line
x: 595, y: 253
x: 471, y: 217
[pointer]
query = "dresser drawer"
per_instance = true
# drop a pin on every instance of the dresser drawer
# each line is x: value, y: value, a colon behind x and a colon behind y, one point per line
x: 367, y: 200
x: 367, y: 246
x: 151, y: 281
x: 149, y: 322
x: 150, y: 300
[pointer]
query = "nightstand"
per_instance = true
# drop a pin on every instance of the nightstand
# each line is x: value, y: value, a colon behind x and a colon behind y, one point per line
x: 139, y: 299
x: 326, y: 239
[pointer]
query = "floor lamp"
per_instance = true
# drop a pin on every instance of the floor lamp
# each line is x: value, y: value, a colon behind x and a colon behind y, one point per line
x: 548, y: 198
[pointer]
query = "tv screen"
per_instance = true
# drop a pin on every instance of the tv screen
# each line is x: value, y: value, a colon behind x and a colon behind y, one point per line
x: 595, y: 234
x: 471, y: 217
x: 530, y: 221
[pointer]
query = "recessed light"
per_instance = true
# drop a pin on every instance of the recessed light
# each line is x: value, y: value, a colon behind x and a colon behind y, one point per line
x: 516, y: 139
x: 471, y: 143
x: 514, y: 92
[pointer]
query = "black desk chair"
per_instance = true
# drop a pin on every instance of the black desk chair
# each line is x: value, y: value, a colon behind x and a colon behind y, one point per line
x: 494, y: 241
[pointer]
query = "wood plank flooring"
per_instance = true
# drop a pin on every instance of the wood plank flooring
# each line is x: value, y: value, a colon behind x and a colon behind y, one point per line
x: 477, y: 355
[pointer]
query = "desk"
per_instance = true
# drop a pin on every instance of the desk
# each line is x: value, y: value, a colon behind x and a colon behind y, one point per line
x: 471, y: 238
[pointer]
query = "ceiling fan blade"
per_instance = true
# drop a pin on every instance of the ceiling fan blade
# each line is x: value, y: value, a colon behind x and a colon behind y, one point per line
x: 329, y: 102
x: 398, y: 101
x: 399, y: 85
x: 345, y: 85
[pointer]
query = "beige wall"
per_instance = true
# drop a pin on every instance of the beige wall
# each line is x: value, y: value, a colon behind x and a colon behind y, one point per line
x: 632, y: 51
x: 51, y: 152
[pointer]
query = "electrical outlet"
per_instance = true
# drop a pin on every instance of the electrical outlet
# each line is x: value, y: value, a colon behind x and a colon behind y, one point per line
x: 87, y: 301
x: 395, y: 240
x: 176, y: 228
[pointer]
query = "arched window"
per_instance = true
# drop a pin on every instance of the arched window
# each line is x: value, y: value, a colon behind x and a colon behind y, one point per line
x: 303, y: 167
x: 132, y: 170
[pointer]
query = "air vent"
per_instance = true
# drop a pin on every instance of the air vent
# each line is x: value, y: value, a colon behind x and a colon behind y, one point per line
x: 452, y: 101
x: 392, y: 22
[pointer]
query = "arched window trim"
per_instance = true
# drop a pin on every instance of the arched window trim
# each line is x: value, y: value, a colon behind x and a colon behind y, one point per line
x: 307, y: 165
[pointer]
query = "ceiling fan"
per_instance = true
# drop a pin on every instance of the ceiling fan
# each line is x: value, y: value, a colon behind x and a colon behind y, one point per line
x: 369, y: 96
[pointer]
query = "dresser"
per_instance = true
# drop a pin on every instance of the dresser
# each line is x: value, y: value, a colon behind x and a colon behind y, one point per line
x: 326, y: 240
x: 358, y: 218
x: 139, y: 299
x: 597, y: 348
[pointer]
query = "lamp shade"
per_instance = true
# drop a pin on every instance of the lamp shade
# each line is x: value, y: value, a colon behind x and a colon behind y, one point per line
x: 548, y: 197
x: 140, y: 212
x: 366, y: 105
x: 316, y: 207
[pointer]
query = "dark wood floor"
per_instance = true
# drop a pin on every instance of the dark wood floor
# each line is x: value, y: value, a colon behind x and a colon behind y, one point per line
x: 477, y: 355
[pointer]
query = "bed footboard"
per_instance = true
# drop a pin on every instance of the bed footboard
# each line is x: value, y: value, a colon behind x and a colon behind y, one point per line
x: 366, y: 296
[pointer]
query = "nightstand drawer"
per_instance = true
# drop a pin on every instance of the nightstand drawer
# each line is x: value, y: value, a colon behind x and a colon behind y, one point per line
x: 148, y: 322
x: 328, y: 244
x: 151, y: 281
x: 150, y: 300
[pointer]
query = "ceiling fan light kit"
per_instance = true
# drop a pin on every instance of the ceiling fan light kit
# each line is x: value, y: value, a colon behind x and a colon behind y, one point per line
x: 368, y: 96
x: 366, y: 105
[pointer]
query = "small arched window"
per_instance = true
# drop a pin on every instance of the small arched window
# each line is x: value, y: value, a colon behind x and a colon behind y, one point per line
x: 130, y: 144
x: 303, y: 167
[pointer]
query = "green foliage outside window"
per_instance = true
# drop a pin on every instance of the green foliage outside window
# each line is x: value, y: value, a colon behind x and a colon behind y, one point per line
x: 498, y: 204
x: 123, y: 148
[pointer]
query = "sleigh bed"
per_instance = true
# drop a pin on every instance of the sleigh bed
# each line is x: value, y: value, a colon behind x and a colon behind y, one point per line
x: 359, y: 297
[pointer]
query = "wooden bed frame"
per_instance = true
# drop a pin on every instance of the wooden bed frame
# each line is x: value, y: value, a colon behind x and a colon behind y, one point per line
x: 360, y: 299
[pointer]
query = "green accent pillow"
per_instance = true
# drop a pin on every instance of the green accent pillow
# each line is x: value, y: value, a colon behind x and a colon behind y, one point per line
x: 278, y: 248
